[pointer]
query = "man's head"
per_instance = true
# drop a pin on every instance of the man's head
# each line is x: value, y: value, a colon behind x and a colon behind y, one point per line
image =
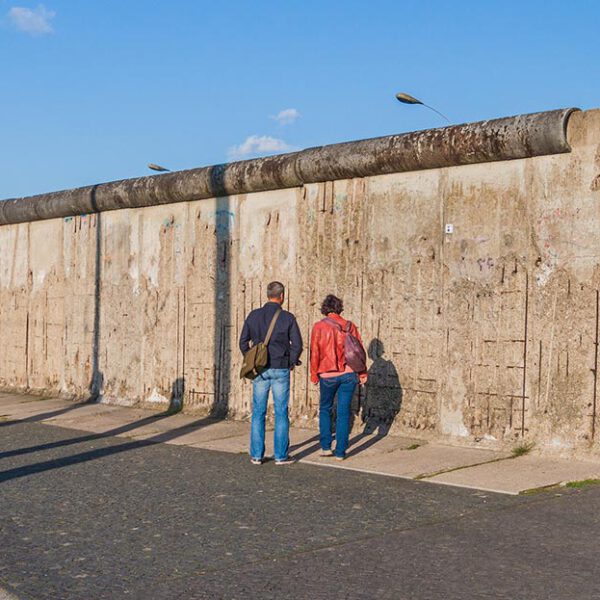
x: 276, y: 292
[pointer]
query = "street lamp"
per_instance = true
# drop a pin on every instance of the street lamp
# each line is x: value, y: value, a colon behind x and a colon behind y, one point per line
x: 157, y: 167
x: 408, y: 99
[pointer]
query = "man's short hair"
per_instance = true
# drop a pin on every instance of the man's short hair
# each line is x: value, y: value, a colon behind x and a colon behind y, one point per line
x: 275, y: 289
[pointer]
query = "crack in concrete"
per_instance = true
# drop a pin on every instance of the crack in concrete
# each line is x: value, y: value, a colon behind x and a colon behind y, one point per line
x: 427, y: 476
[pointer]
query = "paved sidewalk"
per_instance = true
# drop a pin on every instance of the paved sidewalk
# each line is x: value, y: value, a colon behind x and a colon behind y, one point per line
x: 402, y: 457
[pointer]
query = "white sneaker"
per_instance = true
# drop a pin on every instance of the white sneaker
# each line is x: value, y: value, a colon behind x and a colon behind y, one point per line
x: 256, y: 461
x: 285, y: 461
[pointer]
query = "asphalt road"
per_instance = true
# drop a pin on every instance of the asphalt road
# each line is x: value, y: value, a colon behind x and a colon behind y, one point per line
x: 102, y: 517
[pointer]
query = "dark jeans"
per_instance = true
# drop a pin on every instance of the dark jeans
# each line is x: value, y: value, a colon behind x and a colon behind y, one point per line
x: 344, y: 386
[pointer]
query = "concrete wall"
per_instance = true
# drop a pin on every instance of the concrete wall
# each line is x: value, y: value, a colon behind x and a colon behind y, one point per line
x: 489, y: 333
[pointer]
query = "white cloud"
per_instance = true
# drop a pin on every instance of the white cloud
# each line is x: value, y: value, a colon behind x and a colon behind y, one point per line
x: 35, y: 21
x: 258, y: 144
x: 286, y: 116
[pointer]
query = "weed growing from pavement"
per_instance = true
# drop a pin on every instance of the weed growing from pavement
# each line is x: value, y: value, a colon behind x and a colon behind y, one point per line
x: 541, y: 490
x: 522, y: 449
x: 413, y: 447
x: 582, y: 483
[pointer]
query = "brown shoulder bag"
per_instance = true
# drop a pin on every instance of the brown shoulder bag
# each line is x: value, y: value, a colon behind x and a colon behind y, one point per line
x: 257, y: 358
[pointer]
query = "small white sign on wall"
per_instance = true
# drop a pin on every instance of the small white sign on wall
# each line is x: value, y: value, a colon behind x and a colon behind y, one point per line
x: 449, y: 228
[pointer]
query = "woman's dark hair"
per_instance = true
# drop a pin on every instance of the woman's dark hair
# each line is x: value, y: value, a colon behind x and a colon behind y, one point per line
x: 332, y: 304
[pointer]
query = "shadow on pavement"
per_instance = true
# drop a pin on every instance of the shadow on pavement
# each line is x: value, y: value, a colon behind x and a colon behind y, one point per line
x: 58, y: 463
x: 299, y: 445
x: 44, y: 416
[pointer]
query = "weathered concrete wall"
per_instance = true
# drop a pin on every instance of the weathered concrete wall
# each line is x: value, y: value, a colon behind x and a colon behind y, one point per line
x: 487, y: 333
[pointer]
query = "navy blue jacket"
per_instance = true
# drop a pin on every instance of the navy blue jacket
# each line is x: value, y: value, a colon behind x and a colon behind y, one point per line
x: 285, y: 346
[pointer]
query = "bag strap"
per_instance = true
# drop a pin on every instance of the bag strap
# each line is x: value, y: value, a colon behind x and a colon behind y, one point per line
x: 271, y: 327
x: 334, y: 323
x: 338, y: 326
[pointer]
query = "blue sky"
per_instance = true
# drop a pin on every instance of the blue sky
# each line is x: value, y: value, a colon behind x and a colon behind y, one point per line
x: 93, y: 91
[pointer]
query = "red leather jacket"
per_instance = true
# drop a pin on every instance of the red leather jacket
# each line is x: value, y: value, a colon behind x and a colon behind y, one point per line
x: 327, y: 348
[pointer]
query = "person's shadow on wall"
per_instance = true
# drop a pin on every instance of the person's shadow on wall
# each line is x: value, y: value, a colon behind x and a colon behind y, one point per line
x: 383, y: 392
x: 381, y: 402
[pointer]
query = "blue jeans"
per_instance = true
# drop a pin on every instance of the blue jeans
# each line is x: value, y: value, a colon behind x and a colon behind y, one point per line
x: 344, y: 386
x: 279, y: 381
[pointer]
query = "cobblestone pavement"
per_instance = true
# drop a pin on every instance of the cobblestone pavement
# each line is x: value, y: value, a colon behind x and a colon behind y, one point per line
x: 104, y: 517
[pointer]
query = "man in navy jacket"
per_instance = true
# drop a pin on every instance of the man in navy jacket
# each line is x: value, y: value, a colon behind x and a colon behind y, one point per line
x: 284, y: 350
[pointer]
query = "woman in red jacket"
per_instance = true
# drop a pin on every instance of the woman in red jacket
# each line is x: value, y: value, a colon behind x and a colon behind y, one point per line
x: 328, y: 368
